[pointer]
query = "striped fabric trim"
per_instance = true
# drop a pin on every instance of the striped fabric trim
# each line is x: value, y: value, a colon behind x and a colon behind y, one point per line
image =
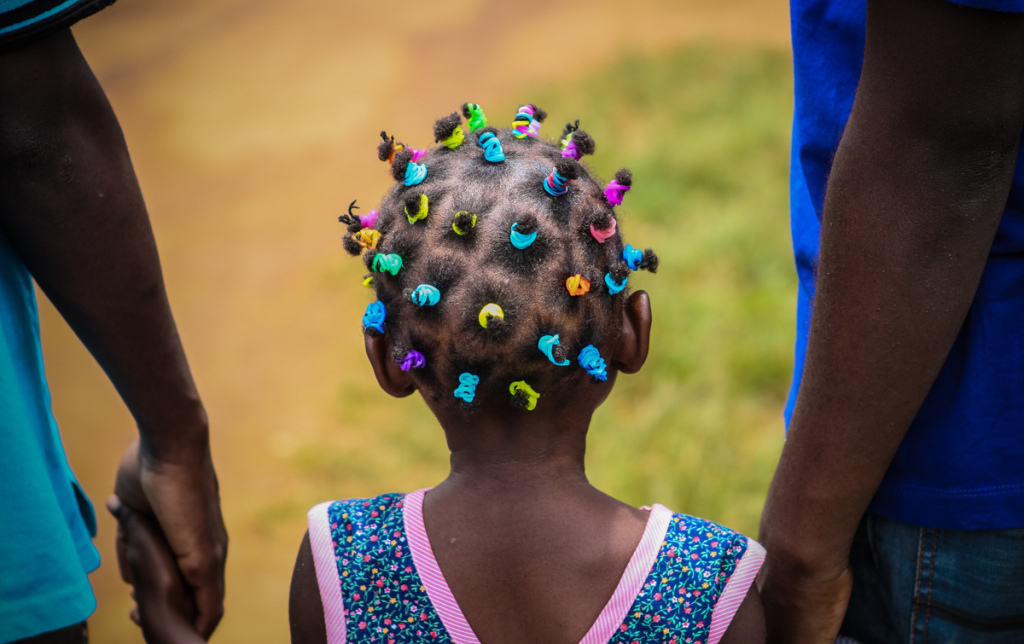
x: 327, y: 575
x: 735, y: 590
x: 438, y: 592
x: 632, y: 581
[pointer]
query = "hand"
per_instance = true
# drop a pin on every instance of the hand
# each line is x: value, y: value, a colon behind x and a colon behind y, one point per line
x: 185, y: 502
x: 163, y: 608
x: 803, y: 607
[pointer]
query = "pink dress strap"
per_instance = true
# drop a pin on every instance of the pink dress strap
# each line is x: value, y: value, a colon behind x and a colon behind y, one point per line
x: 326, y: 564
x: 736, y: 590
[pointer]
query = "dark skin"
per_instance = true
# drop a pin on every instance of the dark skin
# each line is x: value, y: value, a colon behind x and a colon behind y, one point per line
x: 916, y: 193
x: 516, y: 527
x: 71, y: 208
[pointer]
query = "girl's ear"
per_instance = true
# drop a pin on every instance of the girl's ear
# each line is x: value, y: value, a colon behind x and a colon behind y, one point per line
x: 635, y: 340
x: 389, y: 374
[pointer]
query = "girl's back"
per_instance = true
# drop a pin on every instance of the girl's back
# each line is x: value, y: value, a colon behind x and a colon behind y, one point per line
x: 494, y: 265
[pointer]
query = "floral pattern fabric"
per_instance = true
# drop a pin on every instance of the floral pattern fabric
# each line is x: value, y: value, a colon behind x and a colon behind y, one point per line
x: 385, y: 600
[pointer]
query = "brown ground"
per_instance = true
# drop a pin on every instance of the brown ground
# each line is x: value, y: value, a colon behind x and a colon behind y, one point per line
x: 252, y: 123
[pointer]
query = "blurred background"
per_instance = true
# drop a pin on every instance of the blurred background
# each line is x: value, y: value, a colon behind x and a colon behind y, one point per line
x: 253, y: 124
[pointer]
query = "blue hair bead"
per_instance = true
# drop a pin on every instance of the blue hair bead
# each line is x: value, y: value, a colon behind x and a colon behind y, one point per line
x: 555, y: 184
x: 521, y: 241
x: 374, y: 316
x: 547, y: 344
x: 415, y: 173
x: 614, y: 288
x: 467, y: 387
x: 590, y: 359
x: 426, y: 295
x: 491, y: 144
x: 632, y: 257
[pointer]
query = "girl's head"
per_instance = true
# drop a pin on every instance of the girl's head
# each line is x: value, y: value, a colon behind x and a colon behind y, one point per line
x: 500, y: 271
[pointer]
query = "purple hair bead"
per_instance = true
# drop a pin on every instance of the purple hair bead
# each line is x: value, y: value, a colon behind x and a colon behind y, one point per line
x: 571, y: 151
x: 614, y: 192
x: 413, y: 360
x: 369, y: 220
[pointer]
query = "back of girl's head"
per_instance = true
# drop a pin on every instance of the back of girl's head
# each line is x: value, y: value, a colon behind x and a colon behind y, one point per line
x: 488, y: 247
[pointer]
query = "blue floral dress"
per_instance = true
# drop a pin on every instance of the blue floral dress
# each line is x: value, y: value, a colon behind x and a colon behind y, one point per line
x: 379, y: 581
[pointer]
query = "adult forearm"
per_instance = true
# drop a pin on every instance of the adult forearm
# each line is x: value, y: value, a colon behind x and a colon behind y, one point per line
x: 72, y: 209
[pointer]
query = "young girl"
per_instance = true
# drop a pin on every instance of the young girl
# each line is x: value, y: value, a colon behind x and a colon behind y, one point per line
x: 501, y: 282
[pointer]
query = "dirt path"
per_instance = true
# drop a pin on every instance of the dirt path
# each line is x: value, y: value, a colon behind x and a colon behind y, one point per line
x: 251, y: 124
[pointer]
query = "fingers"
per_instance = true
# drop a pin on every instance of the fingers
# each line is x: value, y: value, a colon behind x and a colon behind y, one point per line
x: 205, y: 576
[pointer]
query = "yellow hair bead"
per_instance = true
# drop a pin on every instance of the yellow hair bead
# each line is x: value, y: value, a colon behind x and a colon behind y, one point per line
x: 531, y: 395
x: 456, y: 138
x: 577, y: 285
x: 490, y: 311
x: 367, y: 238
x: 421, y: 212
x: 455, y: 222
x: 368, y: 281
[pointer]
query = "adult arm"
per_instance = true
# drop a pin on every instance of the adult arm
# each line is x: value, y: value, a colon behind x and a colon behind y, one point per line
x: 917, y: 189
x: 71, y: 207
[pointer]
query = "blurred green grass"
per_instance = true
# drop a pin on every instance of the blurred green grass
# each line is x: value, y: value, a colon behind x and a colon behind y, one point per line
x: 705, y: 131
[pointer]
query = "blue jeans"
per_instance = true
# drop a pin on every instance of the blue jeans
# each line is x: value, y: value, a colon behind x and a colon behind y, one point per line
x: 921, y: 585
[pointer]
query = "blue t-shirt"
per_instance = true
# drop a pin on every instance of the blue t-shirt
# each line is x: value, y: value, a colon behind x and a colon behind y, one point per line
x: 960, y: 465
x: 46, y: 521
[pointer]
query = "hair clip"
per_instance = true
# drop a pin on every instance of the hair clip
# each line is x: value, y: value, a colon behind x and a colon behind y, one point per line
x: 387, y: 263
x: 368, y: 280
x: 490, y: 313
x: 448, y: 130
x: 613, y: 287
x: 548, y: 344
x: 467, y: 387
x: 417, y: 208
x: 638, y: 259
x: 413, y: 360
x: 618, y: 187
x: 474, y: 116
x: 522, y: 240
x: 577, y: 145
x: 523, y: 395
x: 426, y: 295
x: 373, y: 318
x: 463, y: 222
x: 604, y: 234
x: 577, y: 285
x: 556, y: 184
x: 491, y: 144
x: 590, y: 359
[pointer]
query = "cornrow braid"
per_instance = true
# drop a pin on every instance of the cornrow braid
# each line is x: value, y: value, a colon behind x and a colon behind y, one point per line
x: 502, y: 281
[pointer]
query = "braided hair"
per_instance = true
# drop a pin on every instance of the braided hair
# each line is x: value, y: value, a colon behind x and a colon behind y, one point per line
x: 499, y: 269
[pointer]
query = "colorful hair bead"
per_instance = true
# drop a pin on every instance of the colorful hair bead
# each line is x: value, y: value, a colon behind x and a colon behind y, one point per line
x: 417, y: 208
x: 387, y: 263
x: 369, y: 220
x: 548, y: 344
x: 613, y: 287
x: 618, y: 187
x: 467, y: 387
x: 638, y: 259
x: 491, y: 144
x: 603, y: 235
x: 489, y: 313
x: 475, y: 116
x: 368, y: 280
x: 463, y: 222
x: 632, y: 257
x: 523, y: 395
x: 556, y: 184
x: 577, y: 285
x: 413, y: 360
x: 521, y: 240
x: 448, y: 131
x: 373, y: 318
x: 367, y: 238
x: 426, y: 295
x: 577, y: 145
x: 417, y: 154
x: 591, y: 361
x: 527, y: 121
x: 415, y: 173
